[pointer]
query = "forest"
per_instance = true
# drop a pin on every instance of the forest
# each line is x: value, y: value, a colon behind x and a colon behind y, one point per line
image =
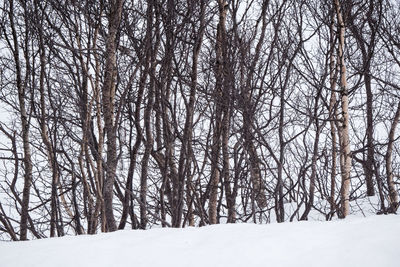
x: 134, y: 114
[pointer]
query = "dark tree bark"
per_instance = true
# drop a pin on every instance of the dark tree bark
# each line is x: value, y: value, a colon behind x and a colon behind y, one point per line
x: 221, y: 107
x: 114, y: 19
x: 25, y: 124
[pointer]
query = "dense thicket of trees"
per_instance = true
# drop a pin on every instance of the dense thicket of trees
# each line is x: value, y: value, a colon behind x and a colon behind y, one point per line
x: 192, y: 112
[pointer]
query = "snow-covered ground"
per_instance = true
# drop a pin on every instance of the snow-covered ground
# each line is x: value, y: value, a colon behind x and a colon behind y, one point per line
x: 371, y: 241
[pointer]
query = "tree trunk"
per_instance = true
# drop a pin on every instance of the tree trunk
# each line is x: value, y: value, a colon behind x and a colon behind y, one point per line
x: 344, y: 94
x: 369, y: 175
x: 333, y: 72
x: 219, y: 76
x: 149, y: 70
x: 21, y: 87
x: 393, y: 195
x: 108, y: 108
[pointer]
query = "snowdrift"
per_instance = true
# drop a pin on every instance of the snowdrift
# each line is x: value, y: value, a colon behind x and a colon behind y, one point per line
x: 371, y: 241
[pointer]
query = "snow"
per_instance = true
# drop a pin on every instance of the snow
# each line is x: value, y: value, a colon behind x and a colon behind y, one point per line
x: 371, y: 241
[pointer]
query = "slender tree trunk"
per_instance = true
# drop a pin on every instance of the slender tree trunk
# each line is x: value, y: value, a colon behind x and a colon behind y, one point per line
x: 344, y: 94
x: 393, y: 195
x: 226, y: 102
x: 149, y: 70
x: 279, y: 207
x: 248, y: 112
x: 216, y: 146
x: 186, y: 154
x: 21, y: 87
x: 133, y: 154
x: 319, y: 127
x: 46, y: 141
x: 367, y: 46
x: 333, y: 72
x: 370, y: 136
x: 108, y: 107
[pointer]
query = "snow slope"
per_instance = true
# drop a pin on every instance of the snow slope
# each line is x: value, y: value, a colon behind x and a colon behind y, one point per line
x: 371, y: 241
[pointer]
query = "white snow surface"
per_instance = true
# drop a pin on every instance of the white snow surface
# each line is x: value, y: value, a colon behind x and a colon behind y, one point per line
x: 371, y: 241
